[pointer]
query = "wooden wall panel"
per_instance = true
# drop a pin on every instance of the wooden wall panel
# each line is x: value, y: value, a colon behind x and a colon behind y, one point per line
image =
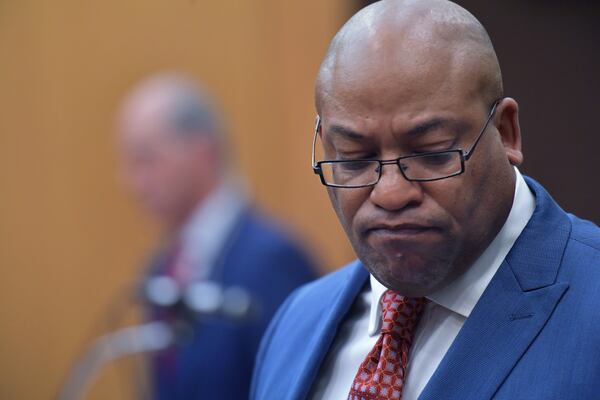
x: 70, y: 239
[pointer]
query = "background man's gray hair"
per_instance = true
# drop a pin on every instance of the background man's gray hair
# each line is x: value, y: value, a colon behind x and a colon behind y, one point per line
x: 191, y: 109
x: 194, y: 111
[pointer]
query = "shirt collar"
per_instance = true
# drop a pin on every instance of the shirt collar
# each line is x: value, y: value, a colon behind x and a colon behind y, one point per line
x: 462, y: 294
x: 205, y: 231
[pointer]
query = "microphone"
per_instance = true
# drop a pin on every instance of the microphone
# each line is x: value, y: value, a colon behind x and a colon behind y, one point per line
x: 200, y: 299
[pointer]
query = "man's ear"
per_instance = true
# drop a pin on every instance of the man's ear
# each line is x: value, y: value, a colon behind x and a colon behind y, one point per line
x: 507, y: 117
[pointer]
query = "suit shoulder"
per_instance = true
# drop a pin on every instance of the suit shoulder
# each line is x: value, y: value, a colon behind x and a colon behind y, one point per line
x: 259, y: 233
x: 263, y: 242
x: 585, y: 232
x: 270, y: 229
x: 329, y: 282
x: 580, y: 264
x: 302, y: 323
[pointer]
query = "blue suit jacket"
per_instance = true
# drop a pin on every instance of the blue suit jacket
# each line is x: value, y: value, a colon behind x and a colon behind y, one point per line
x: 216, y: 361
x: 534, y: 334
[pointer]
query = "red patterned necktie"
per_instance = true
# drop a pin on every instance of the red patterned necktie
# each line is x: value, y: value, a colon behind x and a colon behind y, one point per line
x: 381, y: 375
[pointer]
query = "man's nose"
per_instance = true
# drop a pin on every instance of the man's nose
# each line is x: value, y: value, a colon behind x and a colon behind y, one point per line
x: 393, y: 191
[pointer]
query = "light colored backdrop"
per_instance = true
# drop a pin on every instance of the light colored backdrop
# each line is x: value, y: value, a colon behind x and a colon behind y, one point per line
x: 70, y: 239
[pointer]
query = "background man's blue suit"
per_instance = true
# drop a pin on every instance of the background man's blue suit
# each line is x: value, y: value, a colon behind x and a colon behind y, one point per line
x: 534, y: 334
x: 217, y: 362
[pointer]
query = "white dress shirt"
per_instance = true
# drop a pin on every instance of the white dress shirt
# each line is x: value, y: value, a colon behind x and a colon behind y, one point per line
x: 442, y: 319
x: 206, y: 231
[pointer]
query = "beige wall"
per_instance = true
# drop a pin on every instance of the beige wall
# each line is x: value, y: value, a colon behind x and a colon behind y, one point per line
x: 70, y: 239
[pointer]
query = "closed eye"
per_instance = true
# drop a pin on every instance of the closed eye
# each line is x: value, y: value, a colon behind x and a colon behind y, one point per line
x: 439, y: 158
x: 349, y: 165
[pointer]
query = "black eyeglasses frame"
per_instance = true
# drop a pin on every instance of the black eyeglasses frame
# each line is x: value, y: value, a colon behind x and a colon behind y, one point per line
x: 464, y: 156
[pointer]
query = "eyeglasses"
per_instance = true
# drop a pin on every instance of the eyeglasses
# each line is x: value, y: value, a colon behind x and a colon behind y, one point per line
x: 424, y: 167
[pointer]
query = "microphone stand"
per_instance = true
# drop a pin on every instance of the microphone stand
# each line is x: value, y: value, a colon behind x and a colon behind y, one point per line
x: 199, y: 299
x: 152, y: 336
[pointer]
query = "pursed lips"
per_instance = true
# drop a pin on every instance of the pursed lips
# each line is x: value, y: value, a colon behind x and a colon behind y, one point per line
x: 399, y: 231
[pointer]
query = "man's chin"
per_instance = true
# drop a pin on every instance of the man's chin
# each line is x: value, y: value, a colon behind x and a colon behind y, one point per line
x: 408, y: 273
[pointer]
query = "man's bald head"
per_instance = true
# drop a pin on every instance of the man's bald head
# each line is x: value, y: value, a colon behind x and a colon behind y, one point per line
x: 412, y: 36
x: 419, y: 81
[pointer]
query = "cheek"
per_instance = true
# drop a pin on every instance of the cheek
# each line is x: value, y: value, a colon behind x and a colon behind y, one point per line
x: 470, y: 202
x: 347, y: 203
x: 460, y: 203
x: 164, y: 184
x: 447, y: 194
x: 451, y: 203
x: 147, y: 179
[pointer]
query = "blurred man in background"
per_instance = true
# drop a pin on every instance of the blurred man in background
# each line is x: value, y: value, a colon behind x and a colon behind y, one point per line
x: 174, y: 161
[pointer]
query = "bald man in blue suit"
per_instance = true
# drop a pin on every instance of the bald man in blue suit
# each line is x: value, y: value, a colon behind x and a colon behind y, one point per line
x: 421, y: 150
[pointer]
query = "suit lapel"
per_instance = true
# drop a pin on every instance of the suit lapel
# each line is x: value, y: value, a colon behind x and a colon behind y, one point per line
x: 323, y: 334
x: 511, y: 312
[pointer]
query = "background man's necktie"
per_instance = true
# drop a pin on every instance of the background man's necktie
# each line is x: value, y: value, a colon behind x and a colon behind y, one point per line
x: 382, y: 374
x: 174, y: 267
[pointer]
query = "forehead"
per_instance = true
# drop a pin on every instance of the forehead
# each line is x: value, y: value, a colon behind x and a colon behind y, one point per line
x: 143, y: 123
x: 396, y: 107
x: 383, y: 87
x: 381, y: 74
x: 379, y: 109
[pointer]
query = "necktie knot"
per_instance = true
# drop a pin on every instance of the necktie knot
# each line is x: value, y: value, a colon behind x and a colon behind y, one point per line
x: 400, y: 314
x: 382, y: 374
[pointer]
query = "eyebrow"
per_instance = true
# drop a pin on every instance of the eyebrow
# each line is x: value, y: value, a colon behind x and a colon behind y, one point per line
x: 346, y: 132
x: 432, y: 125
x: 418, y: 130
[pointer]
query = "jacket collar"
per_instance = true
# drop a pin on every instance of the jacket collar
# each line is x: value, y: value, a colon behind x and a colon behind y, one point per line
x: 324, y: 333
x: 512, y: 310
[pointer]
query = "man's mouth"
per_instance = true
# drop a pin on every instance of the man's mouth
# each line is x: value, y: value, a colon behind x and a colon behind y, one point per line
x: 390, y: 234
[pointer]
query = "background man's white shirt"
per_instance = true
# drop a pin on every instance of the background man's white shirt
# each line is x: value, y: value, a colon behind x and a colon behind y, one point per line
x: 207, y: 230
